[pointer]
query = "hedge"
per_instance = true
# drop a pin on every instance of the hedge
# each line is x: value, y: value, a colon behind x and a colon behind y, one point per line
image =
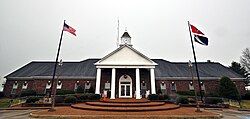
x: 28, y: 93
x: 153, y: 97
x: 70, y: 99
x: 213, y: 100
x: 64, y: 92
x: 182, y: 100
x: 32, y: 99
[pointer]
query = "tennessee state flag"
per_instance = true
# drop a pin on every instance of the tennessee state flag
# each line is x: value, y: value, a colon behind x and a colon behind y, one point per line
x: 199, y: 37
x: 68, y: 28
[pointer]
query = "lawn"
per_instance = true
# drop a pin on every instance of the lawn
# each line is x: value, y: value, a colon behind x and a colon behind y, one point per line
x: 244, y: 103
x: 5, y: 102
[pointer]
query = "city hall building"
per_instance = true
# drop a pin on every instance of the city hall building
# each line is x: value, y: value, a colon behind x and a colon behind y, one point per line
x: 124, y: 73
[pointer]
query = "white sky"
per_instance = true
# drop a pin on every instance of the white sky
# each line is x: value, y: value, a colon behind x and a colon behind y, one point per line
x: 30, y: 29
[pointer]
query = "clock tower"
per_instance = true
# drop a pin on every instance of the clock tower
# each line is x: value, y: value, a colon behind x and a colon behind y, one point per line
x: 126, y: 39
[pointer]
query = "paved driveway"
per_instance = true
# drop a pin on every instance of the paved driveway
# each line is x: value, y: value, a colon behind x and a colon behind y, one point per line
x: 15, y: 114
x: 233, y: 114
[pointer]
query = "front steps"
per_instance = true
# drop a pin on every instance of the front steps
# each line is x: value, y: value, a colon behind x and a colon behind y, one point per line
x: 125, y: 105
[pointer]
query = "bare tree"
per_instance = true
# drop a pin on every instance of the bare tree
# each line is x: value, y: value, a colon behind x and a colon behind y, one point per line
x: 245, y: 59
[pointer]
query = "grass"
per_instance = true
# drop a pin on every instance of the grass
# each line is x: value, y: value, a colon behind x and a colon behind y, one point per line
x: 245, y: 104
x: 5, y: 102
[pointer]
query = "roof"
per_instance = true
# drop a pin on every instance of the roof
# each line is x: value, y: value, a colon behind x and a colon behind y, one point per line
x: 125, y: 34
x: 125, y: 55
x: 181, y: 69
x: 86, y: 68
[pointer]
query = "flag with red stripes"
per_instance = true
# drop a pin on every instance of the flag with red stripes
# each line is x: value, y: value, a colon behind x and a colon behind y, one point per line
x: 68, y: 28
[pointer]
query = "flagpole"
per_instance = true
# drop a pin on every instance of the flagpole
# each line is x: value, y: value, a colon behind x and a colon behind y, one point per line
x: 58, y: 51
x: 196, y: 66
x: 117, y: 42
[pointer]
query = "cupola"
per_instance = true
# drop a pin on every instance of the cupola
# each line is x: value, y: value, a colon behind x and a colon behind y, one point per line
x: 126, y: 39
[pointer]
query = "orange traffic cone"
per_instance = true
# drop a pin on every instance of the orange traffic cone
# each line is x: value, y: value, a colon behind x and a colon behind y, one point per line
x: 104, y: 98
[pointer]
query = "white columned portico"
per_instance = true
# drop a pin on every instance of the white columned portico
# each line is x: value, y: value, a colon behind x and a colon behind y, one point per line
x: 137, y: 78
x: 152, y: 78
x: 98, y: 81
x: 113, y: 84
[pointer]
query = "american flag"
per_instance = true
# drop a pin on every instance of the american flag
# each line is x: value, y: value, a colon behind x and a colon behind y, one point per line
x: 69, y: 29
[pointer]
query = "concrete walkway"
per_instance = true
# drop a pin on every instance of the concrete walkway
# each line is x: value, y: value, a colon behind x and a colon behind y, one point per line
x: 232, y: 114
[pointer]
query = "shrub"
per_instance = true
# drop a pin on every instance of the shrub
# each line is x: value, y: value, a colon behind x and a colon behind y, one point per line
x: 28, y: 93
x: 1, y: 94
x: 153, y: 97
x: 164, y: 97
x: 70, y: 99
x: 96, y: 97
x: 182, y: 100
x: 191, y: 100
x: 190, y: 93
x: 213, y: 100
x: 64, y: 92
x: 228, y: 89
x: 213, y: 95
x: 83, y: 97
x: 32, y: 99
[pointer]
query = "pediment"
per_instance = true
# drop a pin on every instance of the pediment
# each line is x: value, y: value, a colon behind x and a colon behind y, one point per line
x: 126, y: 56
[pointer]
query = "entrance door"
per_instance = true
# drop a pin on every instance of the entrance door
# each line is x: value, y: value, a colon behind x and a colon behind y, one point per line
x: 125, y: 87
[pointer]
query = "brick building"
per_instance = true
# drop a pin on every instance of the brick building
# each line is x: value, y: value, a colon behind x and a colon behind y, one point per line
x: 125, y: 73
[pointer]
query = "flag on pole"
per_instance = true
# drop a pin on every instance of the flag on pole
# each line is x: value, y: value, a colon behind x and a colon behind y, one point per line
x: 199, y: 37
x: 68, y: 28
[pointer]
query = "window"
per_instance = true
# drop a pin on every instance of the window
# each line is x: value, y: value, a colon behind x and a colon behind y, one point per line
x: 191, y: 86
x: 163, y: 88
x: 59, y: 85
x: 47, y: 88
x: 25, y: 85
x: 202, y: 86
x: 173, y: 86
x: 143, y: 88
x: 87, y: 87
x: 76, y: 85
x: 14, y: 88
x: 107, y: 86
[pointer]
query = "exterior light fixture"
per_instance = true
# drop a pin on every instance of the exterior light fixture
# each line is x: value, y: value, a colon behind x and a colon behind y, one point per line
x: 125, y: 76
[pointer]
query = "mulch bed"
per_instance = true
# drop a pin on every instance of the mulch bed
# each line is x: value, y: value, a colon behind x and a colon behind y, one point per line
x: 183, y: 111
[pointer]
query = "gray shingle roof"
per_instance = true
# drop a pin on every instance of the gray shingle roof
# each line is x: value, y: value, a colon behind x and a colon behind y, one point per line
x: 181, y: 69
x: 86, y: 68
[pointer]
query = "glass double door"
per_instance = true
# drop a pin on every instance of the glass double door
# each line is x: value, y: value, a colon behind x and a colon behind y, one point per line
x: 125, y: 90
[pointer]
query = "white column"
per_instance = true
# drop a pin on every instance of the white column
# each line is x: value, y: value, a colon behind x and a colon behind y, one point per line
x: 98, y: 81
x: 152, y: 78
x: 138, y: 89
x: 113, y: 84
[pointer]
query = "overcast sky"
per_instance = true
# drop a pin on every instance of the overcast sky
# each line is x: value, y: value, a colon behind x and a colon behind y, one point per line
x: 30, y: 29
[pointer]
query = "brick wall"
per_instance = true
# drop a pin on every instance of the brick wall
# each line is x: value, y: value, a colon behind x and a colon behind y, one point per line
x: 39, y: 85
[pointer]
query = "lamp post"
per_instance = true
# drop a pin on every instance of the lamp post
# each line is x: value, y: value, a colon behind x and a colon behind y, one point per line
x: 196, y: 99
x: 54, y: 95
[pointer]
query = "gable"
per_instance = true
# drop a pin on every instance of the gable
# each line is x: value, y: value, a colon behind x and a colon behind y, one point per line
x: 126, y: 55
